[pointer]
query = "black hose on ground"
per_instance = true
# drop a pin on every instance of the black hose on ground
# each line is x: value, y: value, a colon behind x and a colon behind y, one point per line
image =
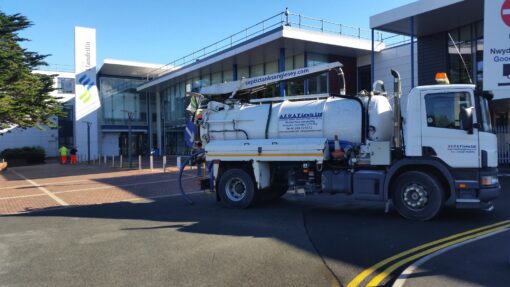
x: 181, y: 171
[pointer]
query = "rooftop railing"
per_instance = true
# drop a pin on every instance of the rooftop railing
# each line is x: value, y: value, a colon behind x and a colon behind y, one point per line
x: 281, y: 19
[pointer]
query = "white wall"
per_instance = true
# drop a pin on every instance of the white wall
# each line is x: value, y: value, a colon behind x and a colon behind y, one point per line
x: 16, y: 138
x: 397, y: 58
x: 109, y: 144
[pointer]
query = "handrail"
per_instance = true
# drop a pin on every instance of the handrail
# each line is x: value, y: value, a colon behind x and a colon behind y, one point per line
x: 280, y: 19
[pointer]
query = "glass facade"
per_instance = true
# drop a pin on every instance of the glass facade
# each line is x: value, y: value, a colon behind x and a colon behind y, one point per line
x: 65, y: 85
x: 318, y: 84
x: 468, y: 42
x: 118, y: 97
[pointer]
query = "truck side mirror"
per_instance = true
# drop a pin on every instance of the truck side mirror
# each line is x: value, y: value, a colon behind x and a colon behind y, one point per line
x: 466, y: 119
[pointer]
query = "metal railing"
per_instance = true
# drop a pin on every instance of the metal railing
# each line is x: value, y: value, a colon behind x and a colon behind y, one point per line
x: 281, y: 19
x: 57, y: 68
x: 391, y: 40
x: 503, y: 137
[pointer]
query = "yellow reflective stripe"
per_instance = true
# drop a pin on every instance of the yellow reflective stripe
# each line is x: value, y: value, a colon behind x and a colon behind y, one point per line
x: 379, y: 278
x: 360, y: 277
x: 267, y: 154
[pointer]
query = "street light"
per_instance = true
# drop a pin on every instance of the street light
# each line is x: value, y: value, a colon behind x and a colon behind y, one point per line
x: 130, y: 120
x: 88, y: 140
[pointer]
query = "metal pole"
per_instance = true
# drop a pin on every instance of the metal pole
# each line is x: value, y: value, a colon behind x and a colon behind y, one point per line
x: 139, y: 162
x: 151, y: 158
x: 105, y: 161
x: 88, y: 140
x: 113, y: 161
x: 164, y: 163
x: 372, y: 60
x: 130, y: 159
x: 120, y: 159
x: 412, y: 52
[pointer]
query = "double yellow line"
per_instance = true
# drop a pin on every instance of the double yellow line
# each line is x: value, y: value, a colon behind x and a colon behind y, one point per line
x: 422, y: 251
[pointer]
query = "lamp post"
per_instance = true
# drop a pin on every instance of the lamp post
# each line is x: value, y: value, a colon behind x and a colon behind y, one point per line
x: 88, y: 140
x: 130, y: 120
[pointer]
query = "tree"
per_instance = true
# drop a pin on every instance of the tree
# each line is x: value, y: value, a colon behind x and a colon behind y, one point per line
x: 25, y: 98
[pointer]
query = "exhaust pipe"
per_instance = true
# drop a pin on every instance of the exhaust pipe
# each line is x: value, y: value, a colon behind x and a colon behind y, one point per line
x: 397, y: 90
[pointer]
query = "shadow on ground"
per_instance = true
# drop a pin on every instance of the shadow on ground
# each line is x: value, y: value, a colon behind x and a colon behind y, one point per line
x: 344, y: 234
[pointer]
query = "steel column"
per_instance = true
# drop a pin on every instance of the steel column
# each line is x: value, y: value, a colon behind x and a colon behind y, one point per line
x: 412, y: 51
x: 281, y: 68
x: 305, y: 84
x: 372, y: 60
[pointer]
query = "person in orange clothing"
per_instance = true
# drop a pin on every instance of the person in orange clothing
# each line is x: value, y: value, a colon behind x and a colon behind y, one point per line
x: 63, y: 154
x: 73, y: 155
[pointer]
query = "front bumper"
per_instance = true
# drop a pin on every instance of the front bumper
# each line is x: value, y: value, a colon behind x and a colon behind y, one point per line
x: 489, y: 194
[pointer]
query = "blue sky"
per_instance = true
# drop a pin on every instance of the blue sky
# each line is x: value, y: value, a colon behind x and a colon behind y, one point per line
x: 161, y: 31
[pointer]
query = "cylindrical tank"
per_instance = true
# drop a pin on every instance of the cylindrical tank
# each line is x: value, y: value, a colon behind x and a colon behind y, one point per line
x: 380, y: 114
x: 293, y: 119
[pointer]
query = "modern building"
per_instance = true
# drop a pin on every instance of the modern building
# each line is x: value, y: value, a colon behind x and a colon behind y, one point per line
x: 418, y: 40
x: 468, y: 39
x: 283, y: 42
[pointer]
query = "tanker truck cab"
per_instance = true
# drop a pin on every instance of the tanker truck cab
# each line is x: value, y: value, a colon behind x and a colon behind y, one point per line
x: 448, y: 126
x: 418, y: 152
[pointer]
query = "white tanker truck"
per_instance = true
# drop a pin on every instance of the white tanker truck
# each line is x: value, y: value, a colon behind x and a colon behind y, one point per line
x: 420, y: 152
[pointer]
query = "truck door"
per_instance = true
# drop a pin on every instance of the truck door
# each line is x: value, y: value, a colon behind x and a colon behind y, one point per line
x: 442, y: 134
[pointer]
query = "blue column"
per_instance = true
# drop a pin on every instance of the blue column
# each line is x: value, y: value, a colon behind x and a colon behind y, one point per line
x: 412, y: 51
x: 372, y: 60
x: 234, y: 72
x: 150, y: 144
x: 306, y: 81
x: 281, y: 68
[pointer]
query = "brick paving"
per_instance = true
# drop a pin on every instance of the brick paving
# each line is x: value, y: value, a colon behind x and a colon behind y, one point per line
x: 59, y: 186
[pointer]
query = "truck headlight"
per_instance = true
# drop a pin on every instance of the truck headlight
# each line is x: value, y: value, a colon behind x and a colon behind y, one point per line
x: 489, y: 180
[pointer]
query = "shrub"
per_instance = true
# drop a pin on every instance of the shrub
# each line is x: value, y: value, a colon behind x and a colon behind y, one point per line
x: 29, y: 155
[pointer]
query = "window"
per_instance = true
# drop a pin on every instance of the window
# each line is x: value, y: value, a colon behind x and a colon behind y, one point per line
x: 443, y: 109
x: 318, y: 84
x: 468, y: 42
x: 65, y: 85
x: 486, y: 119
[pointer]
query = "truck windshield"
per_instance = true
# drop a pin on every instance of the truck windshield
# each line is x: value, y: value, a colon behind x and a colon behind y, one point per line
x: 486, y: 119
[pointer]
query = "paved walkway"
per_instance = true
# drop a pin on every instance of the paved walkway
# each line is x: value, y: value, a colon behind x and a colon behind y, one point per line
x: 30, y: 188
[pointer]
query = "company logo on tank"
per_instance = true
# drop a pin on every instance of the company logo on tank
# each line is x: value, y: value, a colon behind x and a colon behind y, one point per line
x: 300, y: 122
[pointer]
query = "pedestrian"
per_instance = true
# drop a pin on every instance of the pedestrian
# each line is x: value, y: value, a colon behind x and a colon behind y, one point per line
x: 63, y: 154
x: 73, y: 155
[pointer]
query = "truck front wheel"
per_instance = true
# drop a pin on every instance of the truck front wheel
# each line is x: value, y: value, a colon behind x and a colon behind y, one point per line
x: 236, y: 188
x: 417, y: 195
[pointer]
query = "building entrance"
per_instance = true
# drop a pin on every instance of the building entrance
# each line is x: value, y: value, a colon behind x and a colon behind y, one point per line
x: 138, y: 144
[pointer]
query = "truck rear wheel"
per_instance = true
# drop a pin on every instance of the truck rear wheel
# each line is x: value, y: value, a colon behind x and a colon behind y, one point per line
x: 417, y: 195
x: 236, y: 188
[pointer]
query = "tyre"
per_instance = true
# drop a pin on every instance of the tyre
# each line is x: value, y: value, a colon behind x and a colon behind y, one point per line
x: 237, y: 188
x: 279, y: 191
x: 417, y: 195
x: 272, y: 193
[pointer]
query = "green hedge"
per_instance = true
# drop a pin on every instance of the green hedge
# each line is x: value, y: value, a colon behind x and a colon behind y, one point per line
x: 30, y: 155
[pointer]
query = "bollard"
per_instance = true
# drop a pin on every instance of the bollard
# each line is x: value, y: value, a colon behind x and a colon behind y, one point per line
x: 139, y: 162
x: 164, y: 163
x: 178, y: 163
x: 105, y: 162
x: 151, y: 162
x: 113, y: 161
x: 120, y: 159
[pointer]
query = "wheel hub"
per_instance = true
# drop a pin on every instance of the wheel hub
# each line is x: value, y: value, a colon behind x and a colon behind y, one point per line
x: 235, y: 189
x: 415, y: 196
